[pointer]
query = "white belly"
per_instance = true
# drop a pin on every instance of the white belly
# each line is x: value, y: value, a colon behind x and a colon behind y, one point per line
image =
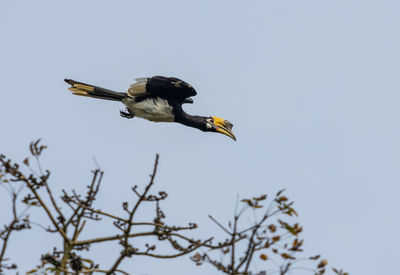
x: 153, y: 109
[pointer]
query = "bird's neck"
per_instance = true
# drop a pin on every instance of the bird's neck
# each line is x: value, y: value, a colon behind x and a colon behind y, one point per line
x: 198, y: 122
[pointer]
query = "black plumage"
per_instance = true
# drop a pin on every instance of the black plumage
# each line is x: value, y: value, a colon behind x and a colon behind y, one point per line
x: 157, y: 99
x: 169, y: 88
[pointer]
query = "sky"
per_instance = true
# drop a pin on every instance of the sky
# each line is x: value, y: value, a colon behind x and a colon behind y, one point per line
x: 311, y: 87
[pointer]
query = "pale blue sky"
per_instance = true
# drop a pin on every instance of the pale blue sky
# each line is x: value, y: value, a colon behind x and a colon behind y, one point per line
x: 312, y: 89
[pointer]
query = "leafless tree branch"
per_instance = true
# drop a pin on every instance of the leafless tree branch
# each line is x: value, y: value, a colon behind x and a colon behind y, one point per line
x: 271, y: 237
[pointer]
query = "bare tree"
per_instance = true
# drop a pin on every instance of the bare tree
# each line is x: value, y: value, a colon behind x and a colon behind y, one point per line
x: 243, y: 245
x: 69, y: 225
x: 19, y: 221
x: 271, y: 237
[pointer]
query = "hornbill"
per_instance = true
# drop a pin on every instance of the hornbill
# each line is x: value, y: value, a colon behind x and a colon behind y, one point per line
x: 157, y: 99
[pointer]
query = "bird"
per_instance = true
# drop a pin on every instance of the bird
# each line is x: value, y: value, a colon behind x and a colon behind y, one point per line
x: 157, y: 99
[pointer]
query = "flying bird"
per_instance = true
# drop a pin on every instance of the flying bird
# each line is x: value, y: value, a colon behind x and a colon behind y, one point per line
x: 157, y: 99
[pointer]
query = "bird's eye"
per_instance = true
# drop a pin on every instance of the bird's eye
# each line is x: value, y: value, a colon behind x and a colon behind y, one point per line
x: 209, y: 126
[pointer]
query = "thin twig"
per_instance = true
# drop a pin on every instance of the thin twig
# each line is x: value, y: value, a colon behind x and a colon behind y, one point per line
x: 220, y: 225
x: 132, y: 213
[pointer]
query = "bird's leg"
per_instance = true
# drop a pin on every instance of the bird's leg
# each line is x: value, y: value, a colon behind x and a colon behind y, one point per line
x: 126, y: 114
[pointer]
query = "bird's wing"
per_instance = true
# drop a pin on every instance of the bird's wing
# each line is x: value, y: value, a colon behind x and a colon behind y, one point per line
x: 169, y: 88
x: 139, y: 88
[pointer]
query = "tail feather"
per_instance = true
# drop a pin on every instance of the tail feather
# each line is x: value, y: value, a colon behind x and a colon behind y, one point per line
x: 83, y: 89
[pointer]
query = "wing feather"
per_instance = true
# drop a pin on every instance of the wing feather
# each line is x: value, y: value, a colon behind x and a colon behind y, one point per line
x: 138, y: 88
x: 169, y: 88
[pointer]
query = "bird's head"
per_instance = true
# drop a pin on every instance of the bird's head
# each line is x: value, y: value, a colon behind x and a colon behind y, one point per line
x: 219, y: 125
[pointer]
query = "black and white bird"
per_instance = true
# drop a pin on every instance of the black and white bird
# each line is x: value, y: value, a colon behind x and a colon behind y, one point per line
x: 157, y: 99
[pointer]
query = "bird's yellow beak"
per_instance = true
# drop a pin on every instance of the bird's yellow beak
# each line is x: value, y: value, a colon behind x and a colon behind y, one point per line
x: 224, y: 127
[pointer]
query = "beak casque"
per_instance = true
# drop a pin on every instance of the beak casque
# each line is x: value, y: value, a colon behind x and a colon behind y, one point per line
x: 224, y: 127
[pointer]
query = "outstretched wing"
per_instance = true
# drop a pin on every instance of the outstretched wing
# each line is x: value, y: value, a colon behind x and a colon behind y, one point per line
x: 169, y: 88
